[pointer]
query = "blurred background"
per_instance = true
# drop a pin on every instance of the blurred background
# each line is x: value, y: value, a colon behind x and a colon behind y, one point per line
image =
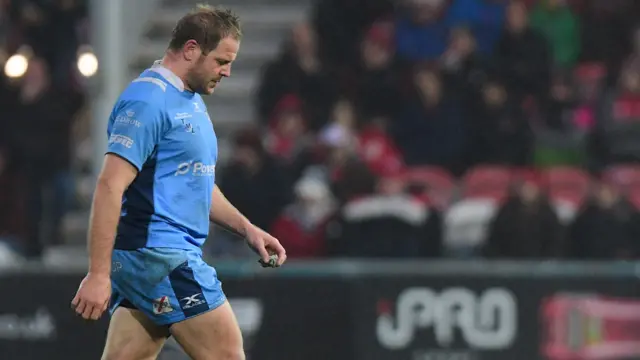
x: 452, y: 179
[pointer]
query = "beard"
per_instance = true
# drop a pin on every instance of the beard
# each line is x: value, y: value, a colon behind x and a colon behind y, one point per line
x: 201, y: 84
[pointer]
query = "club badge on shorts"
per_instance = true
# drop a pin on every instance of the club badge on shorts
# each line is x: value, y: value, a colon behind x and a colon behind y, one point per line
x: 162, y: 305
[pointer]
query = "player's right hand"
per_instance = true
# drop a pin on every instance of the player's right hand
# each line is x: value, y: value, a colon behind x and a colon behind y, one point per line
x: 93, y: 296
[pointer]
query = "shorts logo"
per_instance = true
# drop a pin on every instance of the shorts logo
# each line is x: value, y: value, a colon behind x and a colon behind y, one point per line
x: 192, y: 301
x: 162, y: 305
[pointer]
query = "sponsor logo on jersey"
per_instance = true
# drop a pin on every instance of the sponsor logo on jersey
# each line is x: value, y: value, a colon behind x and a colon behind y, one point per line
x: 127, y: 119
x: 121, y: 139
x: 195, y: 169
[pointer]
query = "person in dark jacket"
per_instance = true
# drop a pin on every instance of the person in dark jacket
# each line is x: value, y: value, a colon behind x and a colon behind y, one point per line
x: 386, y: 224
x: 606, y: 228
x: 254, y: 182
x: 431, y: 129
x: 525, y: 227
x: 524, y: 55
x: 298, y: 71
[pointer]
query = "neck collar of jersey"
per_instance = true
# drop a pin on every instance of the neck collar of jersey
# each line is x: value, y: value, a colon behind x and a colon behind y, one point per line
x: 172, y: 78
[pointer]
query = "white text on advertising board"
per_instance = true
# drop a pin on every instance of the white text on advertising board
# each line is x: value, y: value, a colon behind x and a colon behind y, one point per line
x: 486, y: 322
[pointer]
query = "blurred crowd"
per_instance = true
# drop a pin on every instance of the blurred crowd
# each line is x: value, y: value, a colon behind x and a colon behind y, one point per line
x: 386, y: 128
x: 461, y: 128
x: 38, y: 119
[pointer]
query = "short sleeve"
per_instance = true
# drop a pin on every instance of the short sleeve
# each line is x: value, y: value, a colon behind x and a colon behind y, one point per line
x: 134, y: 131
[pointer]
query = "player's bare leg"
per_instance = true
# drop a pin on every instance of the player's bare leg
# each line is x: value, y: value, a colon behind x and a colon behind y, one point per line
x: 132, y: 336
x: 214, y: 335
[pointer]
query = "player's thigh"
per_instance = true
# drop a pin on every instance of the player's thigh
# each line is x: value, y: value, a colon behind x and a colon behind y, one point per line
x: 133, y: 336
x: 214, y: 335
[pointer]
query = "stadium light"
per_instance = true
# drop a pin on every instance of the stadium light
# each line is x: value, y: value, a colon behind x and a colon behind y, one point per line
x: 16, y: 66
x: 87, y: 62
x: 18, y: 63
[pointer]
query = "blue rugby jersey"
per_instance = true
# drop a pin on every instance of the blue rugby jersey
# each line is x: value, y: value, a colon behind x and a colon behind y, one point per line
x: 165, y: 132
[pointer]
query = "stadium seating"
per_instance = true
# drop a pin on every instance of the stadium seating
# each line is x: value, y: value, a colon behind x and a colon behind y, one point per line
x: 434, y: 185
x: 489, y: 182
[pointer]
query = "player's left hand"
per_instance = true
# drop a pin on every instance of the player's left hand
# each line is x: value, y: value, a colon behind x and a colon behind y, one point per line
x: 92, y: 297
x: 265, y: 245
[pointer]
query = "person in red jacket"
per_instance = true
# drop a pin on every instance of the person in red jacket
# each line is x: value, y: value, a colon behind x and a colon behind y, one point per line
x: 300, y: 227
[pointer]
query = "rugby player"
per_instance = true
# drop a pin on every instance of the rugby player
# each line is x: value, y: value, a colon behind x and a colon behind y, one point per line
x: 153, y: 202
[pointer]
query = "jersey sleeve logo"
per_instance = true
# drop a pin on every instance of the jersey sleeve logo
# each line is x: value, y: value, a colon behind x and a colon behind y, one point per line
x: 128, y: 119
x: 121, y: 139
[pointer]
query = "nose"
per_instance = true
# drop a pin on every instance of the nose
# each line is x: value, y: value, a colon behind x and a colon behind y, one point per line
x: 226, y: 70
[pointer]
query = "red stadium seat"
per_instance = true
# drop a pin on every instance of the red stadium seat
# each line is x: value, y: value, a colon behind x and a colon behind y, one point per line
x: 439, y: 184
x: 567, y: 184
x: 525, y: 174
x: 491, y: 182
x: 624, y: 178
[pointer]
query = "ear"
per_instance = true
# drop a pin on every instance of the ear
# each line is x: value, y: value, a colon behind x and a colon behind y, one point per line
x: 191, y: 50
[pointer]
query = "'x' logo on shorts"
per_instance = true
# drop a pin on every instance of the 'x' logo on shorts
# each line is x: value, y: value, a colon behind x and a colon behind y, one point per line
x: 192, y: 299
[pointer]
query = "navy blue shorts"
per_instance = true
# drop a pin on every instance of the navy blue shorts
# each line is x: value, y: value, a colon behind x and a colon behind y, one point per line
x: 168, y: 285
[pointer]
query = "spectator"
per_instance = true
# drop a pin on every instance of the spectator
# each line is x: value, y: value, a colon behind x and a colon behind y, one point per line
x: 377, y: 89
x: 50, y: 28
x: 300, y: 227
x: 340, y: 23
x: 254, y: 182
x: 523, y: 56
x: 484, y: 18
x: 42, y: 143
x: 335, y: 141
x: 615, y: 139
x: 286, y: 139
x: 378, y: 150
x: 606, y: 228
x: 33, y: 20
x: 562, y: 101
x: 431, y: 129
x: 501, y: 131
x: 590, y: 84
x: 526, y: 227
x: 626, y: 102
x: 350, y: 177
x: 605, y: 33
x: 465, y: 68
x: 68, y: 15
x: 300, y: 72
x: 388, y: 224
x: 560, y: 26
x: 340, y: 131
x: 422, y: 30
